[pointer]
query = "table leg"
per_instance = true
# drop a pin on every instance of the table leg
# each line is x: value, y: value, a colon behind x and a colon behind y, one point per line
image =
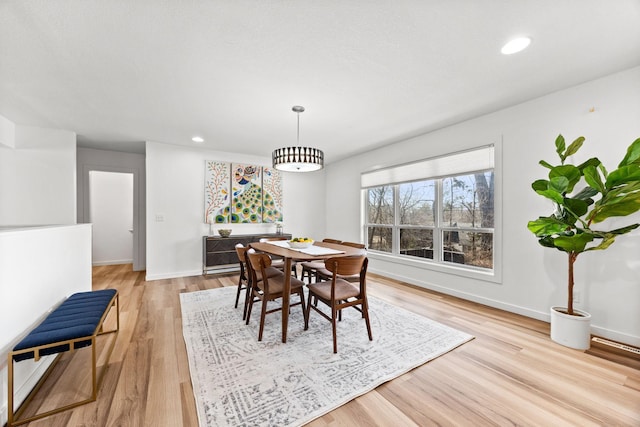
x: 286, y: 295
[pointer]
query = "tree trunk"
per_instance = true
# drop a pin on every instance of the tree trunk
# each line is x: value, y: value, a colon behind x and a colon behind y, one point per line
x: 572, y: 260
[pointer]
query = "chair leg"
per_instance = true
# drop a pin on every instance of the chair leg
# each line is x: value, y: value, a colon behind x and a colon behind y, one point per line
x: 247, y: 295
x: 263, y: 314
x: 308, y: 312
x: 333, y: 326
x: 239, y: 290
x: 250, y: 306
x: 304, y: 307
x: 365, y: 314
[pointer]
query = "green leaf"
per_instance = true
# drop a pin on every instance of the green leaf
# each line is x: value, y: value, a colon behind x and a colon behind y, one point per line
x: 547, y: 226
x: 603, y: 171
x: 570, y: 172
x: 574, y: 147
x: 559, y: 184
x: 607, y: 241
x: 547, y: 189
x: 623, y: 175
x: 594, y: 161
x: 575, y: 243
x: 624, y: 230
x: 576, y: 206
x: 619, y: 206
x: 633, y: 154
x: 593, y: 178
x: 546, y: 164
x: 586, y: 194
x: 620, y: 191
x: 560, y: 145
x: 540, y: 185
x: 547, y: 242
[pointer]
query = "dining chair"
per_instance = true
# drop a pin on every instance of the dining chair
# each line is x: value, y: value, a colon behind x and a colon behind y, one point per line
x: 279, y: 262
x: 309, y: 267
x: 243, y: 279
x: 246, y: 271
x: 323, y: 274
x: 268, y: 286
x: 339, y: 294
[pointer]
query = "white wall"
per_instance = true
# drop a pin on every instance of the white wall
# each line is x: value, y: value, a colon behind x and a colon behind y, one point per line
x: 111, y: 208
x: 175, y: 192
x: 533, y: 278
x: 37, y: 175
x: 113, y: 161
x: 39, y: 267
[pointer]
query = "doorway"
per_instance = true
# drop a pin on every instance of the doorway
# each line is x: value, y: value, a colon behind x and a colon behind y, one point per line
x: 111, y: 200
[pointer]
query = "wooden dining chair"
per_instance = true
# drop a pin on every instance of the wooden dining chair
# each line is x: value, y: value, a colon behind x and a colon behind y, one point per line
x: 267, y: 286
x: 250, y: 277
x: 243, y: 279
x: 309, y: 267
x: 323, y: 274
x: 339, y: 294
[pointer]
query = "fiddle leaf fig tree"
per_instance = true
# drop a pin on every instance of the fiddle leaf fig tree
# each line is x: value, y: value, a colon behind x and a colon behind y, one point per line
x: 600, y: 195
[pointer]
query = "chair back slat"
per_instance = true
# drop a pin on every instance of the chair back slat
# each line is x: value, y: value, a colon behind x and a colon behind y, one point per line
x: 332, y: 241
x: 354, y: 245
x: 346, y: 265
x: 241, y: 251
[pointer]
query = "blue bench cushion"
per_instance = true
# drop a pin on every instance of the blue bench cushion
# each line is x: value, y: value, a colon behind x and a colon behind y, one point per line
x: 78, y: 316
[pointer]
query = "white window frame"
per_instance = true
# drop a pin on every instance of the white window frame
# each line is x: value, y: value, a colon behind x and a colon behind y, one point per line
x: 409, y: 170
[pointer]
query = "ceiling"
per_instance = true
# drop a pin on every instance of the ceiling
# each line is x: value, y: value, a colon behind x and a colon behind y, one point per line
x: 369, y: 73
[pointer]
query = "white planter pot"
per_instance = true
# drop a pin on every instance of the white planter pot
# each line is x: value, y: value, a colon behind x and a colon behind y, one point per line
x: 571, y: 331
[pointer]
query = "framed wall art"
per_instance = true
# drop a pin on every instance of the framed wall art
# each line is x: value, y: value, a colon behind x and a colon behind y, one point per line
x: 242, y: 193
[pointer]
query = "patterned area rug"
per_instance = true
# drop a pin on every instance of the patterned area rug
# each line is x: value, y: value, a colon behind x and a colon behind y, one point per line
x: 238, y: 381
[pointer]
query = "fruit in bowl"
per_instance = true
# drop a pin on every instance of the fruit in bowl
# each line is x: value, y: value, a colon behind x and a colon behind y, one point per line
x: 300, y: 242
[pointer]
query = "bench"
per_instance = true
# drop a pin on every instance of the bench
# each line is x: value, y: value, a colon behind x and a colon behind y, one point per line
x: 72, y: 325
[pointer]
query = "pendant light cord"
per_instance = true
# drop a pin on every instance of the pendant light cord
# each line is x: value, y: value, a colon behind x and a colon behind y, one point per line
x: 298, y: 134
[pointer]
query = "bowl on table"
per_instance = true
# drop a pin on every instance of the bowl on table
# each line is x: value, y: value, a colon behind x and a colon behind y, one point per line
x: 224, y: 232
x: 300, y: 242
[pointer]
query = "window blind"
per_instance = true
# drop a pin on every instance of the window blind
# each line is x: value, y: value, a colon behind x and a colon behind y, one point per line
x: 478, y: 159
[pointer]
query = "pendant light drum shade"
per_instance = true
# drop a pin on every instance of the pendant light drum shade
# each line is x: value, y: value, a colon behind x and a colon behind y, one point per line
x: 297, y: 158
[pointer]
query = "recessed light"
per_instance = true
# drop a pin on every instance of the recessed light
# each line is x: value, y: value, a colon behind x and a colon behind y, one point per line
x: 197, y: 139
x: 516, y: 45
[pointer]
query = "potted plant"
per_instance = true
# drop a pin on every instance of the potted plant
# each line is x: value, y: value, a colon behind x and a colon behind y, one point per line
x: 571, y: 228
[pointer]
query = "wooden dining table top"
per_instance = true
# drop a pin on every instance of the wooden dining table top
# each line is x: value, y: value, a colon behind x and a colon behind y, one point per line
x: 301, y: 256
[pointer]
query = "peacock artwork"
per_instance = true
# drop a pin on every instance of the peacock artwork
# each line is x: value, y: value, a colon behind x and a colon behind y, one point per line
x: 271, y: 195
x: 216, y: 192
x: 240, y: 193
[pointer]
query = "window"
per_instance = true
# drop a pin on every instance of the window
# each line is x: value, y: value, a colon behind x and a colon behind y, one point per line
x: 448, y: 219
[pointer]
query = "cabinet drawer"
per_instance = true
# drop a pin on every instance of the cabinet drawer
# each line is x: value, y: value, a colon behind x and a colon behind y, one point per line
x: 219, y: 245
x: 222, y: 258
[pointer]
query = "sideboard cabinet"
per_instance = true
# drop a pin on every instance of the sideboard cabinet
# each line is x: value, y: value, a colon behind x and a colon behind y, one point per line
x: 219, y: 253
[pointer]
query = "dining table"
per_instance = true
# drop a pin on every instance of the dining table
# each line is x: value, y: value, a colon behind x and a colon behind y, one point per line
x: 317, y: 251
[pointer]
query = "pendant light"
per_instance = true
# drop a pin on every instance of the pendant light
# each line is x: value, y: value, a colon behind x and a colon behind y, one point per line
x: 298, y: 159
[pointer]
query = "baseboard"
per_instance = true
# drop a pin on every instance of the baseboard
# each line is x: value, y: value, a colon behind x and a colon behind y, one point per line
x: 511, y: 308
x: 534, y: 314
x: 173, y: 275
x: 113, y: 262
x: 615, y: 336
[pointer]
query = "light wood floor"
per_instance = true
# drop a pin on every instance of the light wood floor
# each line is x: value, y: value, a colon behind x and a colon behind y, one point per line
x: 510, y: 374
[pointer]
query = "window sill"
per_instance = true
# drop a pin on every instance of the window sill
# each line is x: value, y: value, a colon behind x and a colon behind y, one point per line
x: 479, y: 274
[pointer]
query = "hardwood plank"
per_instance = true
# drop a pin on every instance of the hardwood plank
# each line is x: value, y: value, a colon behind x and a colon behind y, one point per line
x: 510, y: 374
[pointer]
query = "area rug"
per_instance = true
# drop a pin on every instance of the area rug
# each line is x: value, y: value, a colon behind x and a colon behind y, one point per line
x: 238, y: 381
